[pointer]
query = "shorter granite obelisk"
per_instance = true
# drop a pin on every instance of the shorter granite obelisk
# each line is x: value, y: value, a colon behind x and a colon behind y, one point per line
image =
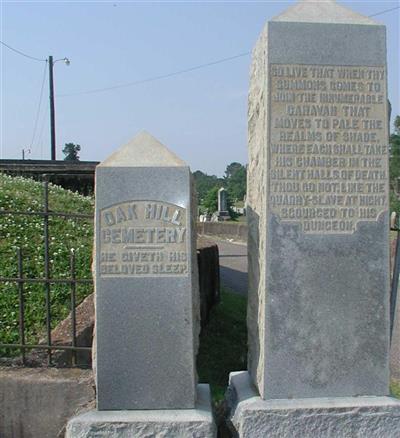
x: 147, y: 299
x: 146, y: 280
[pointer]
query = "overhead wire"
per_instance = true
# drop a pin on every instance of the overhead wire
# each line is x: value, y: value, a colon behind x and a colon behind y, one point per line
x: 40, y: 137
x: 129, y: 84
x: 39, y: 106
x: 179, y: 72
x: 22, y: 53
x: 156, y: 78
x: 159, y: 77
x: 384, y: 12
x: 41, y: 88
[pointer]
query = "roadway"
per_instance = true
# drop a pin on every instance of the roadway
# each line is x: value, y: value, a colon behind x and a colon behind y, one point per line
x: 233, y: 265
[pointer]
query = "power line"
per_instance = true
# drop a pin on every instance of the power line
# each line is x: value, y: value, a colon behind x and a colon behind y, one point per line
x: 197, y: 67
x: 40, y: 137
x: 384, y: 12
x: 21, y: 53
x: 39, y: 141
x: 39, y: 106
x: 156, y: 78
x: 165, y: 76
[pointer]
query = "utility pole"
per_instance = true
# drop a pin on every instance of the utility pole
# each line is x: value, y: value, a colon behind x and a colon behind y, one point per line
x: 52, y: 106
x: 52, y: 111
x: 25, y: 151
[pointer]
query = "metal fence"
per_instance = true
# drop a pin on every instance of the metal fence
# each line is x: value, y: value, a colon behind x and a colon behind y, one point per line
x: 47, y: 281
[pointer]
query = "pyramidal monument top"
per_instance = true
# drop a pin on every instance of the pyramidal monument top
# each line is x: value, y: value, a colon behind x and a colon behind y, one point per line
x: 322, y: 11
x: 143, y: 150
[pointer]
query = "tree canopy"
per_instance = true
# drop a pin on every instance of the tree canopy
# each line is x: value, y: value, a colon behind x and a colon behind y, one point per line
x: 210, y: 202
x: 71, y: 151
x: 207, y: 186
x: 235, y: 181
x: 204, y: 183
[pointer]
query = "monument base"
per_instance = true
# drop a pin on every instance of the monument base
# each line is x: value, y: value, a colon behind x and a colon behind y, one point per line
x: 344, y: 417
x: 223, y: 216
x: 185, y: 423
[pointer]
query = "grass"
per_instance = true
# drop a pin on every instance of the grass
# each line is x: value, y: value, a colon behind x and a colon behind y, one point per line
x: 242, y: 220
x: 26, y: 232
x: 223, y: 343
x: 395, y: 388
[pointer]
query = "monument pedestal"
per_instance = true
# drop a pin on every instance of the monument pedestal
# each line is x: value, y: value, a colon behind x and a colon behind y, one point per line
x: 223, y: 216
x: 330, y: 417
x: 185, y: 423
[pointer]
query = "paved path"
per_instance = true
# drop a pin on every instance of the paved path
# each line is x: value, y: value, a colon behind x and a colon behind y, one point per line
x: 233, y: 265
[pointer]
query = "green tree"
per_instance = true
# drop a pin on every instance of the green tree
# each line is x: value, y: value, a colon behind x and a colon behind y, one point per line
x: 394, y: 166
x: 231, y: 169
x: 235, y: 180
x: 210, y: 201
x: 204, y: 183
x: 71, y: 151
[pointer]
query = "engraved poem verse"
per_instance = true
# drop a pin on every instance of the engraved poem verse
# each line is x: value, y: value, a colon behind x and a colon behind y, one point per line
x: 143, y: 238
x: 328, y: 146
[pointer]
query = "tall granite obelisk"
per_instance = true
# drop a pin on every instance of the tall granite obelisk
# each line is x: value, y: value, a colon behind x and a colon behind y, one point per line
x: 318, y: 311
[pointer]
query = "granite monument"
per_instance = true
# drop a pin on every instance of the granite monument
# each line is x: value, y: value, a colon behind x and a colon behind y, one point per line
x: 317, y: 206
x: 147, y: 298
x: 223, y: 212
x: 222, y: 200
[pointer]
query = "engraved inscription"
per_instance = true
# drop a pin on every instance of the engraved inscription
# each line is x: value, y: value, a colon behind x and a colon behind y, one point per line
x: 328, y: 146
x: 143, y: 238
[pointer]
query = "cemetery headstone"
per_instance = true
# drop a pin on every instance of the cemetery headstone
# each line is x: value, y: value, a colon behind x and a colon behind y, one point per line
x: 223, y: 213
x: 222, y: 200
x: 147, y: 298
x: 317, y: 206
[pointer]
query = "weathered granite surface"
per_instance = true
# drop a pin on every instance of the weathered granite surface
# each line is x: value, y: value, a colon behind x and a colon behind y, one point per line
x: 327, y: 11
x: 256, y: 210
x: 318, y: 230
x: 38, y: 402
x: 344, y: 417
x: 147, y: 304
x: 184, y: 423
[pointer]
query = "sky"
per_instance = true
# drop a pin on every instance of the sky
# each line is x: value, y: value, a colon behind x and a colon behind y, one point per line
x: 201, y: 115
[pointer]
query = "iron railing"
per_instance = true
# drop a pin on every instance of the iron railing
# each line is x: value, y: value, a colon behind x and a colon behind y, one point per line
x: 47, y: 281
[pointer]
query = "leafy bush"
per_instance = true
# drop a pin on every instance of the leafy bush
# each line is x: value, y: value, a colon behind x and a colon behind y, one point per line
x: 26, y: 232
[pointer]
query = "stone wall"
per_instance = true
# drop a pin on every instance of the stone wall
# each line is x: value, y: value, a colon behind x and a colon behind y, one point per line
x: 37, y: 402
x: 236, y: 231
x: 77, y: 176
